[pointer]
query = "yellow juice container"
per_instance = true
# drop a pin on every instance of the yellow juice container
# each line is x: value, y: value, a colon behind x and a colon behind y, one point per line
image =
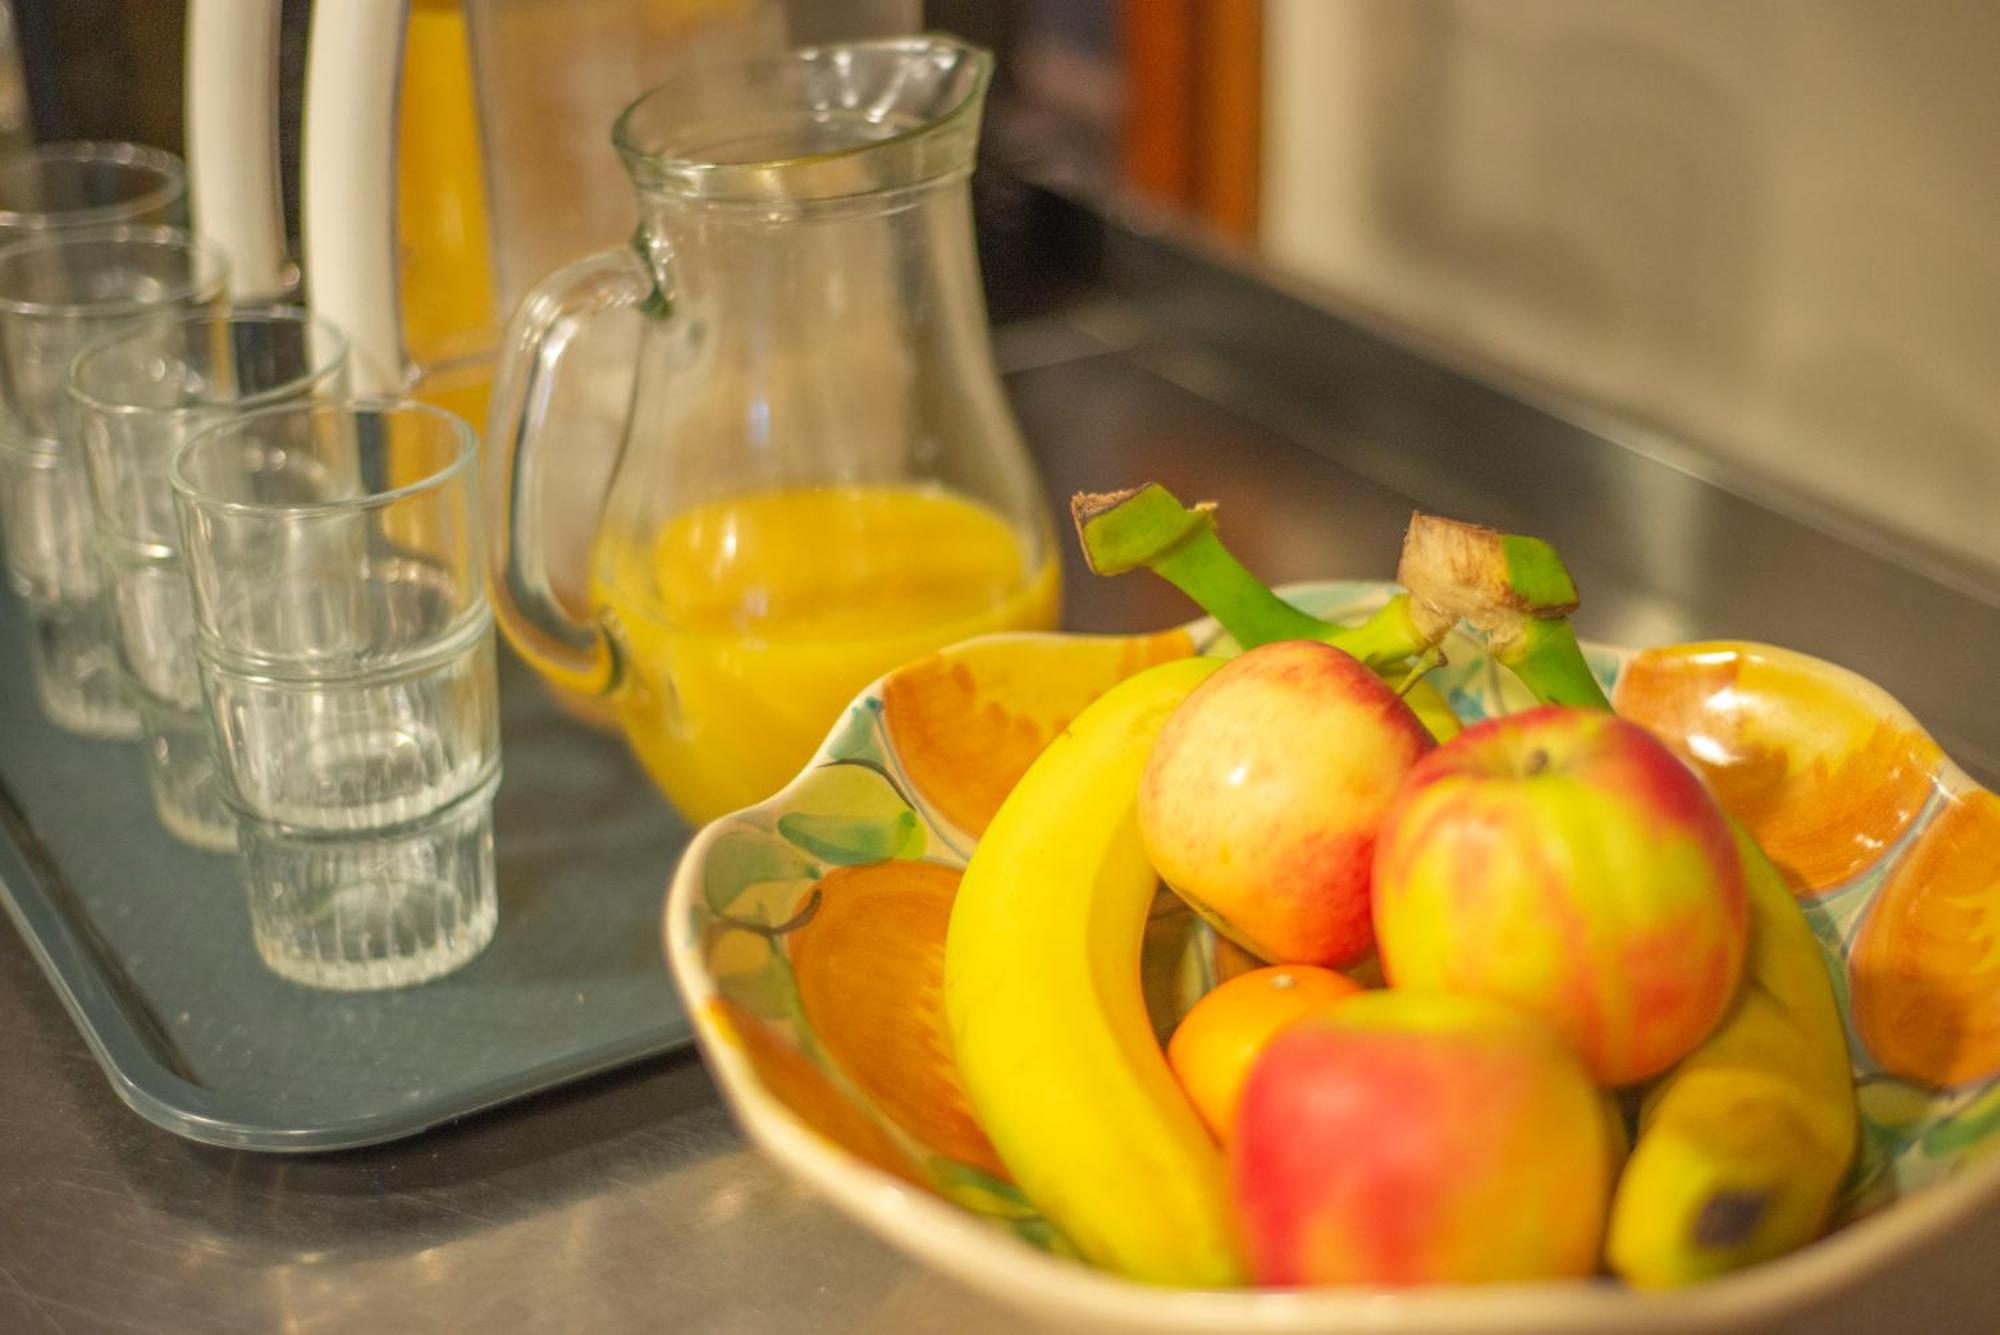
x: 819, y: 478
x: 746, y: 625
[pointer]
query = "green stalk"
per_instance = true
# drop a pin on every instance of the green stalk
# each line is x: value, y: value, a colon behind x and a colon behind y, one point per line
x: 1550, y: 663
x: 1514, y: 588
x: 1389, y: 637
x: 1206, y: 571
x: 1148, y: 526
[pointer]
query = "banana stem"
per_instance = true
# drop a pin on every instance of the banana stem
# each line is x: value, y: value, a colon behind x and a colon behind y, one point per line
x: 1389, y: 637
x: 1550, y: 663
x: 1515, y: 588
x: 1149, y: 527
x: 1206, y: 571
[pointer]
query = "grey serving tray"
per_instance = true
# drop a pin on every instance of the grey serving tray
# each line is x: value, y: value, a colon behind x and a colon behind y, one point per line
x: 148, y: 942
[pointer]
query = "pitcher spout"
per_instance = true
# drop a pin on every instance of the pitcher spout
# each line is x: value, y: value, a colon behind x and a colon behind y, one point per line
x: 890, y: 114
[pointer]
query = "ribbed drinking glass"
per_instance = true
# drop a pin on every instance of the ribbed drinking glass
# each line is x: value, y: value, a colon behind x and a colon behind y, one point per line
x: 141, y: 392
x: 59, y: 290
x: 345, y: 646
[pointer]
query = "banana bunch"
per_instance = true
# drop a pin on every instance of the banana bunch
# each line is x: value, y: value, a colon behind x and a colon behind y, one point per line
x: 1059, y: 1059
x: 1743, y: 1145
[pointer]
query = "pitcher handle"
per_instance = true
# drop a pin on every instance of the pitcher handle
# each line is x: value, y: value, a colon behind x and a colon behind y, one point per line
x: 572, y: 652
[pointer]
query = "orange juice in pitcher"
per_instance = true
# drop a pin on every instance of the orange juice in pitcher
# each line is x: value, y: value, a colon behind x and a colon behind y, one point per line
x: 820, y: 476
x: 749, y: 623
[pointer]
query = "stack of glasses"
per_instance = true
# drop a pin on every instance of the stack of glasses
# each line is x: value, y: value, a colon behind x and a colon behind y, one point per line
x: 140, y: 393
x: 278, y: 586
x: 76, y: 262
x: 345, y: 645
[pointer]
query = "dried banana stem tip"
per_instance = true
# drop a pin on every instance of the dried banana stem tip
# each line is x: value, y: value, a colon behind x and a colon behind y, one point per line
x: 1123, y: 530
x: 1497, y: 581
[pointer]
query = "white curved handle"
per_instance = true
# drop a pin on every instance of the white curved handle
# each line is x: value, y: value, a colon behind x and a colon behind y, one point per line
x: 232, y: 141
x: 349, y: 189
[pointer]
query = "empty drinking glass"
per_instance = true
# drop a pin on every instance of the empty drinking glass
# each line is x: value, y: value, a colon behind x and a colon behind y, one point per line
x: 45, y: 189
x: 59, y: 290
x: 141, y: 392
x: 57, y: 186
x: 345, y: 646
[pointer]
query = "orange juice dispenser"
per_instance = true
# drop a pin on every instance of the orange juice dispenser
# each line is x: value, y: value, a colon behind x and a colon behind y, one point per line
x: 392, y: 136
x: 477, y: 130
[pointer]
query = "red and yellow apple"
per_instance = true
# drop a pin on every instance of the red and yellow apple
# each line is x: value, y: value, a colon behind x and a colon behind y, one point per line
x: 1261, y: 799
x: 1406, y: 1138
x: 1564, y: 861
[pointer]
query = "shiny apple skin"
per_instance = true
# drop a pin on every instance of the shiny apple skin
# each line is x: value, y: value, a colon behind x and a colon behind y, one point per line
x: 1262, y: 797
x: 1404, y: 1138
x: 1565, y: 862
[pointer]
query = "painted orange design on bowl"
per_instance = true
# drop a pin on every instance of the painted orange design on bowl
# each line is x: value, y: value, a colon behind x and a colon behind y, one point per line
x: 1925, y: 971
x: 789, y: 1076
x: 967, y: 722
x: 1823, y: 767
x: 869, y: 962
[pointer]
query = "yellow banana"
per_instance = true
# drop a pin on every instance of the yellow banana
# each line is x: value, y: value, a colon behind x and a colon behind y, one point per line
x: 1041, y: 991
x: 1742, y: 1145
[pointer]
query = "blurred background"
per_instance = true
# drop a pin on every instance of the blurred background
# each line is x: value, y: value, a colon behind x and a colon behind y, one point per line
x: 1761, y: 226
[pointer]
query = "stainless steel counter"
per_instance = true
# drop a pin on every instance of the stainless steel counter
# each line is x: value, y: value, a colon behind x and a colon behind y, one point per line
x: 631, y: 1204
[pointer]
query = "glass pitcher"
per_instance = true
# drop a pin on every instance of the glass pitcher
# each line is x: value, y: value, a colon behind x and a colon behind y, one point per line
x: 820, y: 477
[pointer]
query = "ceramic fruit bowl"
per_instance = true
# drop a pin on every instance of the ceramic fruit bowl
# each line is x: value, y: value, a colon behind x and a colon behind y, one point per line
x: 807, y: 937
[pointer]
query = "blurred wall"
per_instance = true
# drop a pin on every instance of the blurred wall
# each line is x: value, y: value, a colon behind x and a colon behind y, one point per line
x: 1769, y: 226
x: 103, y: 69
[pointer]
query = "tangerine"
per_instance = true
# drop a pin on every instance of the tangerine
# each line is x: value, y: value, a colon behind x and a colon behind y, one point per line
x: 1219, y: 1039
